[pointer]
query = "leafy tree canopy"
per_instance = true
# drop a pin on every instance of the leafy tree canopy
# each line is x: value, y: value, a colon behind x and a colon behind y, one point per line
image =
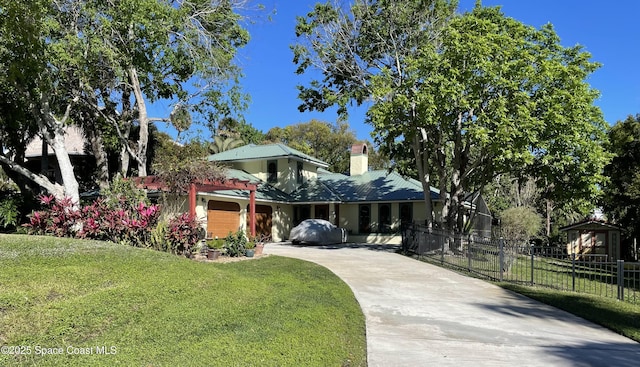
x: 99, y: 64
x: 621, y: 200
x: 178, y: 165
x: 470, y: 95
x: 229, y: 127
x: 328, y: 142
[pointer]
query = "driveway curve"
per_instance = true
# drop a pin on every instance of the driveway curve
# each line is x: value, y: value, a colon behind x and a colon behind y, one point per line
x: 418, y: 314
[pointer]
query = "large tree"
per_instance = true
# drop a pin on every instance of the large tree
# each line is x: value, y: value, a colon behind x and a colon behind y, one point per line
x: 100, y: 64
x: 328, y: 142
x: 621, y: 200
x: 351, y: 45
x: 29, y: 91
x: 470, y: 96
x: 178, y: 51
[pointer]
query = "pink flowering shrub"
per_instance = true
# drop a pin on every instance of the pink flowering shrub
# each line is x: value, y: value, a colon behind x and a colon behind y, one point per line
x: 128, y: 224
x: 98, y: 220
x: 182, y: 234
x: 59, y: 219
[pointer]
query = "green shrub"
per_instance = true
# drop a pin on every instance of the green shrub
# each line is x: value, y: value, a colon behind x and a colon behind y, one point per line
x: 158, y: 238
x: 124, y: 194
x: 217, y: 243
x: 9, y: 210
x: 520, y: 223
x: 235, y: 244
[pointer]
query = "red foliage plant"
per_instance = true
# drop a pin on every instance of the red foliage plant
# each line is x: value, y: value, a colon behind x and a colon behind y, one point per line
x: 98, y: 220
x: 183, y: 233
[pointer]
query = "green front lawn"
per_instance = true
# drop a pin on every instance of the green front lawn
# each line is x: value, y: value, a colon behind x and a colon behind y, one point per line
x: 84, y: 299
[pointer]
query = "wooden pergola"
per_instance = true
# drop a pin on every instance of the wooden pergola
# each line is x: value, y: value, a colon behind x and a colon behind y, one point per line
x: 155, y: 183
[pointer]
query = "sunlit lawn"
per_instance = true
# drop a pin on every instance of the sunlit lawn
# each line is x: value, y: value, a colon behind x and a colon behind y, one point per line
x: 147, y: 308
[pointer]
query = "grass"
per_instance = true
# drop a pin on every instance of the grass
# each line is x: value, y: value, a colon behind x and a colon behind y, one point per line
x: 621, y: 317
x: 155, y: 309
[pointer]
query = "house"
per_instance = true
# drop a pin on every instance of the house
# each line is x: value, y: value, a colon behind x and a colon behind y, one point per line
x: 292, y: 186
x: 593, y: 237
x: 40, y: 157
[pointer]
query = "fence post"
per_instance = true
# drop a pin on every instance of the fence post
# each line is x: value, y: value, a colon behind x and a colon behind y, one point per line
x: 573, y: 272
x: 621, y: 280
x: 501, y: 253
x: 532, y: 264
x: 469, y: 252
x: 442, y: 246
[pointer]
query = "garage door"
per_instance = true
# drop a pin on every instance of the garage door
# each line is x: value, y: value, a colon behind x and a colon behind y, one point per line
x: 222, y: 217
x: 264, y: 215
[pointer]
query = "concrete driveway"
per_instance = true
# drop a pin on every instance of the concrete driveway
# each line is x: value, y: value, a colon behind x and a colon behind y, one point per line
x: 418, y: 314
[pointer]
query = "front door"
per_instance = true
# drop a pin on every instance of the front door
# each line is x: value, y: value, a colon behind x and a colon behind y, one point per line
x: 322, y: 212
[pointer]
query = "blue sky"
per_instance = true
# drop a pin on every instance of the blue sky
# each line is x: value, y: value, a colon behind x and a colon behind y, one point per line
x: 608, y: 30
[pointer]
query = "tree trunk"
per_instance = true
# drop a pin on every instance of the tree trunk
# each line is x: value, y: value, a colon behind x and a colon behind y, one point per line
x: 548, y: 217
x: 53, y: 131
x: 422, y: 161
x: 100, y: 155
x: 41, y: 180
x: 143, y: 120
x: 44, y: 158
x: 71, y: 187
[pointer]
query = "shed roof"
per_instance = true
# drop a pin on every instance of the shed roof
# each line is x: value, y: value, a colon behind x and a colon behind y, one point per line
x: 588, y: 223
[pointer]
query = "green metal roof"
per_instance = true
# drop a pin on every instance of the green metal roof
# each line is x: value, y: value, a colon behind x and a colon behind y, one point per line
x: 335, y: 187
x: 259, y: 152
x: 375, y: 186
x: 264, y: 192
x: 328, y: 187
x: 315, y: 191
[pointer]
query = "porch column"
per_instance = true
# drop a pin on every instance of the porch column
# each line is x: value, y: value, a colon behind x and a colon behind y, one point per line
x: 192, y: 200
x: 252, y: 212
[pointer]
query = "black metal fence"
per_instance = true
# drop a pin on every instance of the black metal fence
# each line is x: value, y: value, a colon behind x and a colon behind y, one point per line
x: 519, y: 262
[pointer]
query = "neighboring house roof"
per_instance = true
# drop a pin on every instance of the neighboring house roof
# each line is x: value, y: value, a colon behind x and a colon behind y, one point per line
x: 252, y: 152
x: 589, y: 222
x: 74, y: 141
x: 371, y: 186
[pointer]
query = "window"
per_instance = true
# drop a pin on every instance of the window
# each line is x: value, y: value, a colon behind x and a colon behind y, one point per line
x: 406, y: 213
x: 300, y: 213
x: 364, y: 218
x: 272, y: 171
x: 299, y: 173
x: 322, y: 211
x: 384, y: 218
